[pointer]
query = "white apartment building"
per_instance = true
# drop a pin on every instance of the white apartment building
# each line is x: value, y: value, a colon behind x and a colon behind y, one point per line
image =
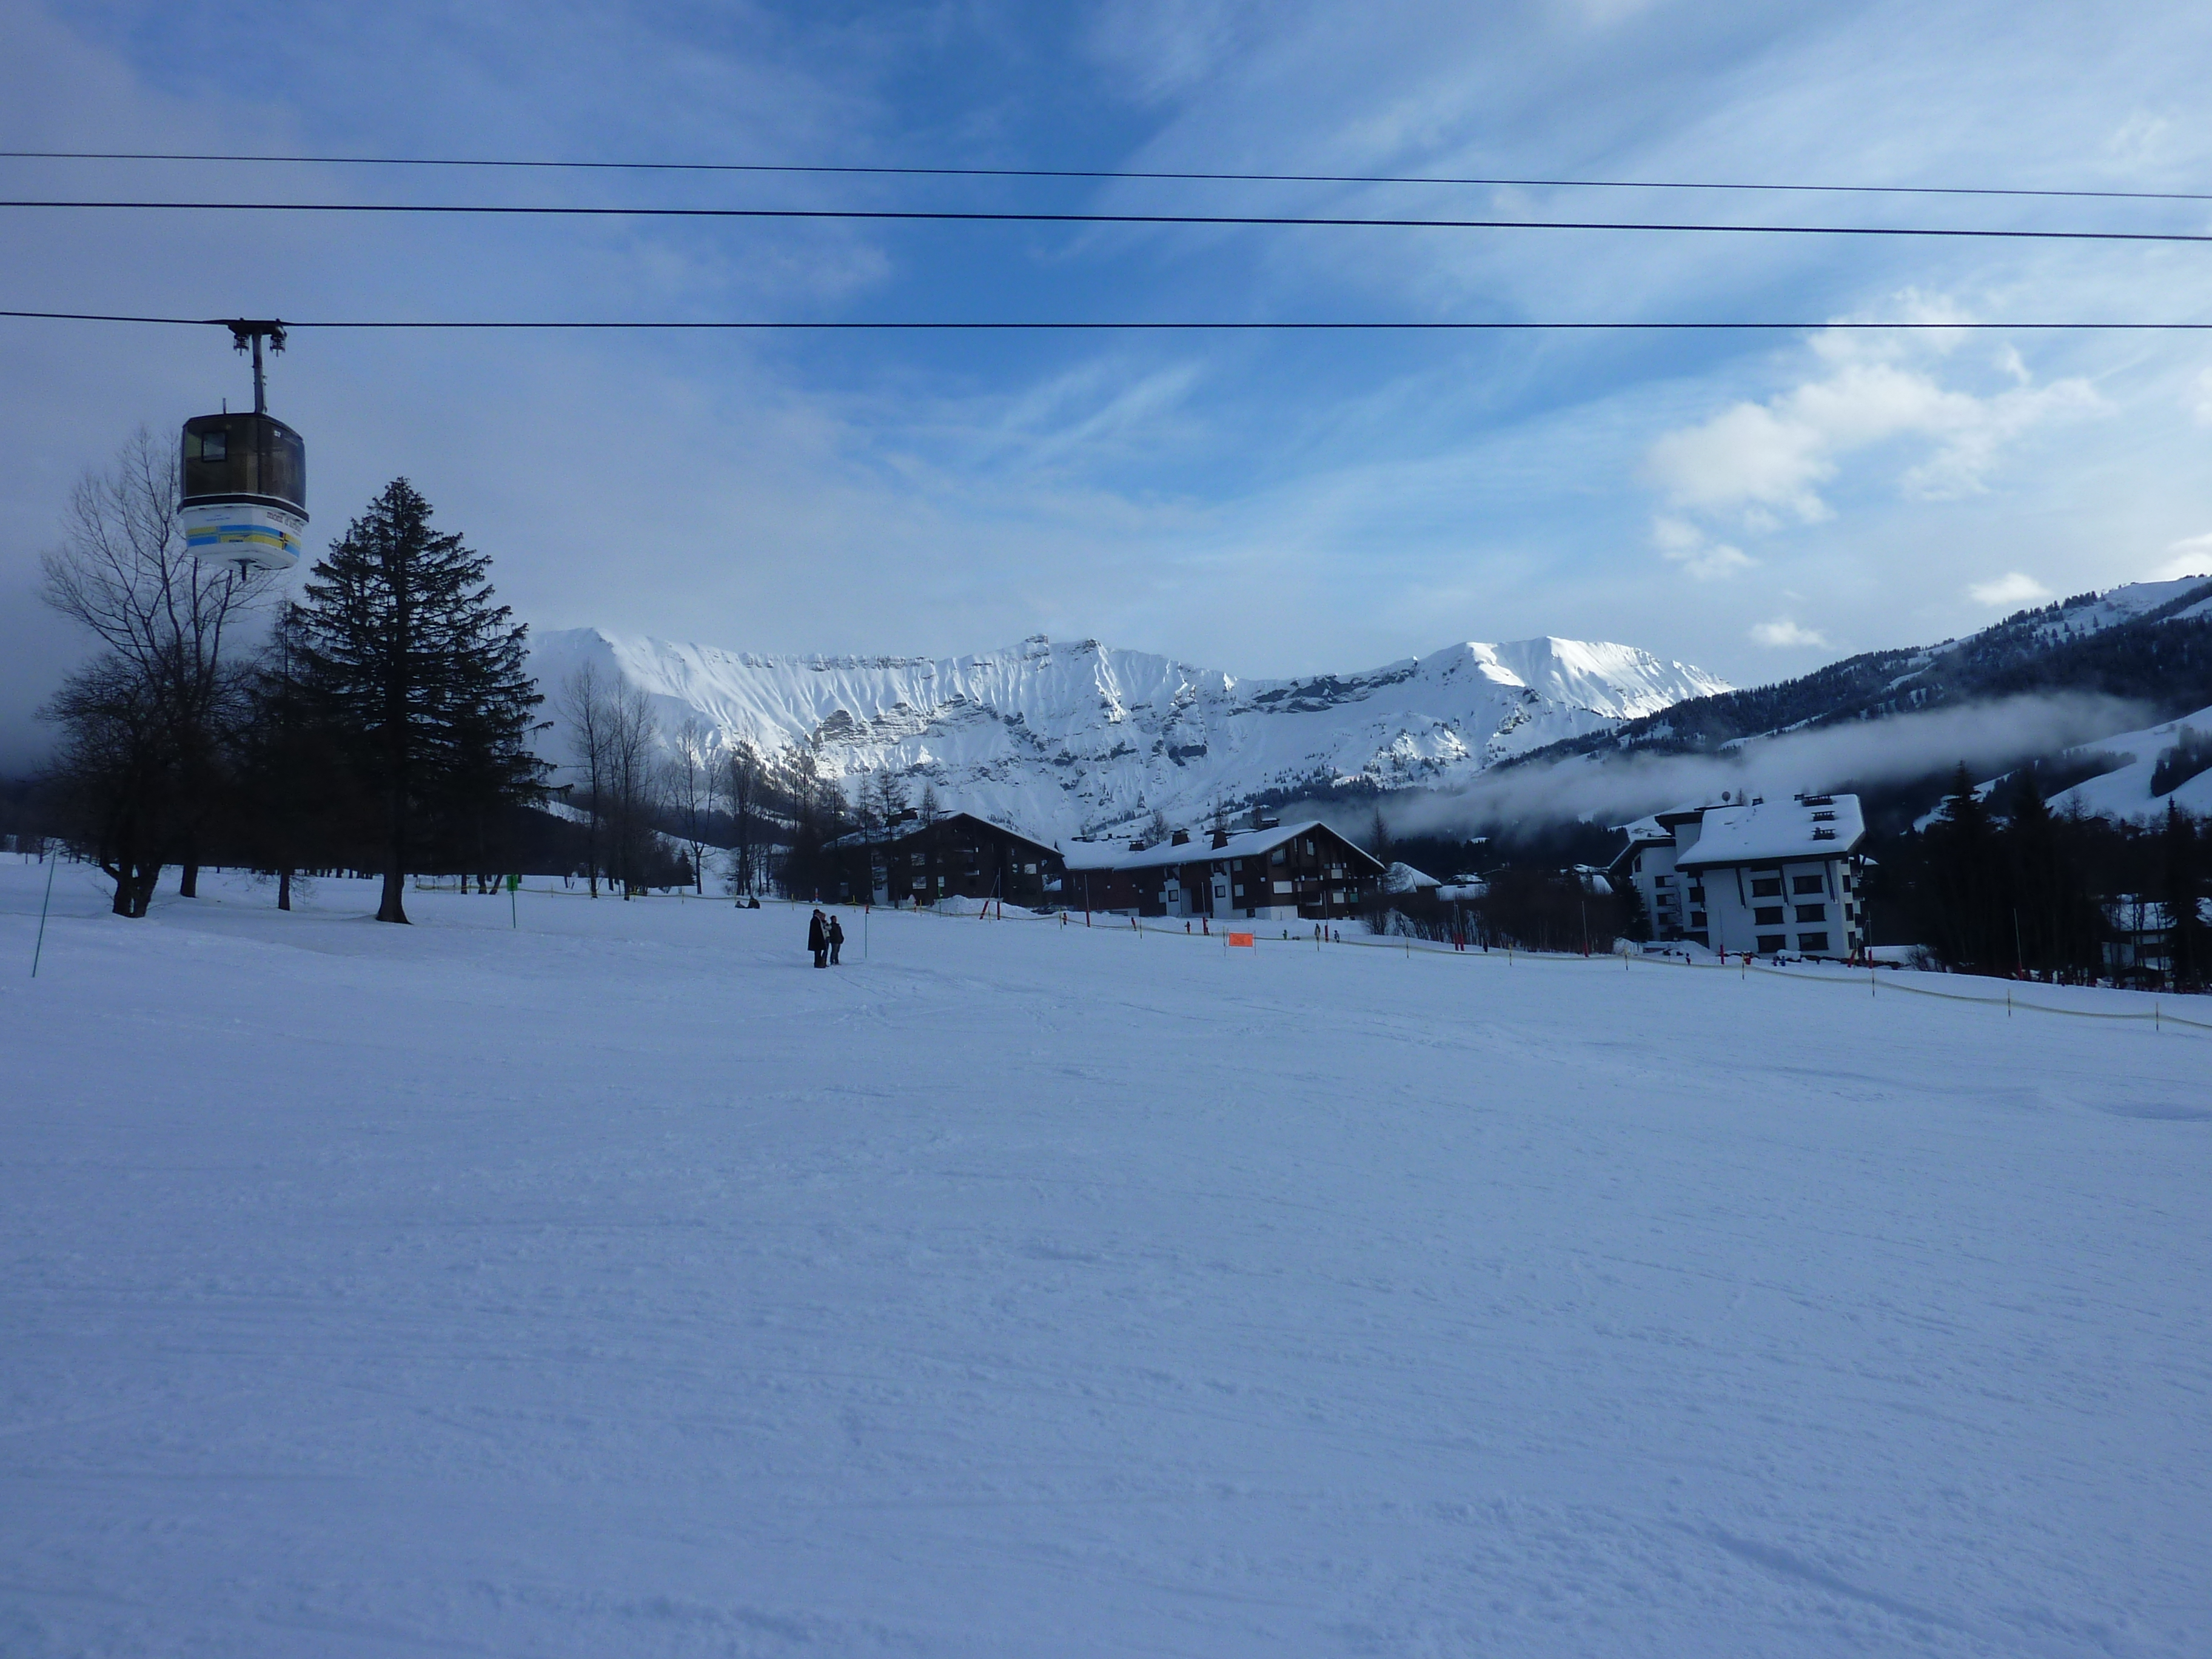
x: 1755, y: 875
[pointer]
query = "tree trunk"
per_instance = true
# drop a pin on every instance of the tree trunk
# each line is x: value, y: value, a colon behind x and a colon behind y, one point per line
x: 393, y: 906
x: 190, y: 886
x: 284, y: 889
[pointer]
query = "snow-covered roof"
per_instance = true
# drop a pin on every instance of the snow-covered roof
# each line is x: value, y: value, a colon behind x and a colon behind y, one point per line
x: 1768, y: 831
x: 1199, y: 848
x: 1404, y: 879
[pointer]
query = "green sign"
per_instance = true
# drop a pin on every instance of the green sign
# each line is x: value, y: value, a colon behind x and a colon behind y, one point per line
x: 513, y: 883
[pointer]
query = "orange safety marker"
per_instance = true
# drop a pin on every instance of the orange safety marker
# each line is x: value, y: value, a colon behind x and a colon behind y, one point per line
x: 1242, y: 938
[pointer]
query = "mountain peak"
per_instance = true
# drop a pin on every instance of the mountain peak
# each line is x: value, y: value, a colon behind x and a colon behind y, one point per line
x: 1071, y: 738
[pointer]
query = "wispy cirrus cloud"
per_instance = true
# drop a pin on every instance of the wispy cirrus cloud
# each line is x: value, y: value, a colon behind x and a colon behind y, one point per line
x: 1684, y: 543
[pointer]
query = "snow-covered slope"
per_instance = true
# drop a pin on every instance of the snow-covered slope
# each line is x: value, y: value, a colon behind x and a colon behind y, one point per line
x: 2126, y: 793
x: 1061, y: 739
x: 2090, y: 613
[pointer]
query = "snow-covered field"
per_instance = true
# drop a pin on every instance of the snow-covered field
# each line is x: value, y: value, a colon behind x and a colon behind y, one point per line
x: 621, y: 1286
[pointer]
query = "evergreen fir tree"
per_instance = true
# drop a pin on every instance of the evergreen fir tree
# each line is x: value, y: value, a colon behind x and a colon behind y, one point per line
x: 1967, y: 879
x: 291, y: 795
x: 2181, y: 888
x: 416, y: 676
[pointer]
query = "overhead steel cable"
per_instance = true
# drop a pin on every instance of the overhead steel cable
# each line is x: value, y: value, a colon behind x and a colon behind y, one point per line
x: 1104, y: 174
x: 1126, y: 325
x: 966, y: 216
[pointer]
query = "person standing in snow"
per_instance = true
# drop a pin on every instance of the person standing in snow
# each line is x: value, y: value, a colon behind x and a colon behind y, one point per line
x: 836, y: 938
x: 818, y: 940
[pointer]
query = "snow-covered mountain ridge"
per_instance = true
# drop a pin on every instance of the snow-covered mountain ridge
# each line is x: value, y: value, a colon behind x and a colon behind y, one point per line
x: 1066, y: 740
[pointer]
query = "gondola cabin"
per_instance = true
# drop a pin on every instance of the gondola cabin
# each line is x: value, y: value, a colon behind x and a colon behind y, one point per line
x: 244, y: 491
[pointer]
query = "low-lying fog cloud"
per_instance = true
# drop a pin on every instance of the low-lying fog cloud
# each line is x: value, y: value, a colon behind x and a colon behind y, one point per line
x: 1989, y: 737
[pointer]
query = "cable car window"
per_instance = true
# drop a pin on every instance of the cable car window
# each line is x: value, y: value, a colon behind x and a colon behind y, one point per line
x: 283, y: 465
x: 213, y: 445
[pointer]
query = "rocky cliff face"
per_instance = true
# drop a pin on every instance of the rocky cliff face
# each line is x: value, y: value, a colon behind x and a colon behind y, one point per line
x: 1064, y: 740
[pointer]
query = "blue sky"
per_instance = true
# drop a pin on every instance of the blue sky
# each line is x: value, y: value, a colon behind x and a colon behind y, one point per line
x: 1267, y: 504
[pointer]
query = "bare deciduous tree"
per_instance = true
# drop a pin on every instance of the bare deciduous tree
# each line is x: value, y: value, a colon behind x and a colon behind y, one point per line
x: 157, y: 700
x: 583, y: 705
x: 614, y: 741
x: 634, y: 797
x: 694, y: 787
x: 888, y: 795
x: 746, y: 785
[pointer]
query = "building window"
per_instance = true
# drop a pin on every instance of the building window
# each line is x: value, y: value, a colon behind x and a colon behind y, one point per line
x: 1029, y: 869
x: 1772, y: 942
x: 1811, y: 913
x: 1807, y: 884
x: 1816, y: 942
x: 1767, y: 915
x: 1770, y: 888
x: 920, y: 858
x: 1697, y: 919
x: 1240, y: 889
x: 1663, y: 881
x: 1282, y: 887
x: 1698, y: 895
x: 1275, y: 857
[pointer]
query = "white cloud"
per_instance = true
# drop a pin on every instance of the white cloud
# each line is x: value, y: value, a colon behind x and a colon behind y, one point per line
x: 1686, y: 544
x: 1755, y: 460
x: 2190, y: 556
x: 2200, y: 404
x: 1783, y: 634
x: 2139, y: 139
x: 2014, y: 588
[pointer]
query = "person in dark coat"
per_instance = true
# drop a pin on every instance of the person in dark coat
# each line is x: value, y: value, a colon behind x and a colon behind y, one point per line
x: 836, y: 937
x: 818, y: 940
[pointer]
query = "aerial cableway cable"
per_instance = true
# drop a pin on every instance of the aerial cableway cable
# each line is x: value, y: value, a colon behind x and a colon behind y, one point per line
x: 1108, y: 175
x: 1127, y: 326
x: 976, y: 215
